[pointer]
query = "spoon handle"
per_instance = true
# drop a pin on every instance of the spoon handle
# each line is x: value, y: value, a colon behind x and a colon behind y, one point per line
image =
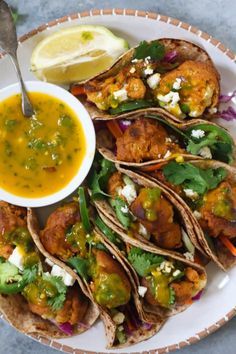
x: 26, y: 104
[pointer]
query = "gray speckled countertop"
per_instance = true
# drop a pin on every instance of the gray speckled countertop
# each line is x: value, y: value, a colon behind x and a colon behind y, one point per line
x: 217, y: 17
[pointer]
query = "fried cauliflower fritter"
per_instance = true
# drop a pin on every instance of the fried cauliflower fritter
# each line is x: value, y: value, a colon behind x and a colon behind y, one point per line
x: 199, y: 87
x: 53, y: 237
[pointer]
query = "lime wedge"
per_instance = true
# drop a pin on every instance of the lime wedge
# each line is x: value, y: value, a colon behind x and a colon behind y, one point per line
x: 76, y: 53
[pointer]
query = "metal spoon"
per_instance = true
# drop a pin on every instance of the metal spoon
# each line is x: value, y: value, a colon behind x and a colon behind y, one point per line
x: 9, y: 44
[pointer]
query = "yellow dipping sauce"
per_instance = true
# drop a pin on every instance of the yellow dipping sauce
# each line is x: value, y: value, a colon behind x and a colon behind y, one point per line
x: 39, y: 155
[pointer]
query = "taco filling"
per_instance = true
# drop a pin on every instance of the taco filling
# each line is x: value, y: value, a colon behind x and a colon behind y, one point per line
x: 211, y: 194
x: 165, y: 282
x: 68, y: 236
x: 151, y: 138
x: 149, y: 79
x: 49, y: 290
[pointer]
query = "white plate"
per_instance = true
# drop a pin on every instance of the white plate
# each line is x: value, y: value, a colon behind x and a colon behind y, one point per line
x: 217, y: 305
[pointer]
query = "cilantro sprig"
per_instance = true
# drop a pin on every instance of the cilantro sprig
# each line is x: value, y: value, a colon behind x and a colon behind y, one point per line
x: 56, y: 302
x: 192, y: 177
x: 155, y: 50
x: 143, y: 262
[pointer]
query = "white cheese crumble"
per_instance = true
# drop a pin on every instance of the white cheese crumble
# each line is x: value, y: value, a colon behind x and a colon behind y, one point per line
x: 195, y: 113
x: 143, y: 231
x: 132, y: 70
x: 129, y: 192
x: 167, y: 154
x: 172, y: 98
x: 118, y: 318
x: 17, y: 258
x: 126, y: 122
x: 177, y: 84
x: 176, y: 272
x: 168, y: 140
x: 134, y: 61
x: 197, y: 214
x: 147, y: 60
x: 142, y: 290
x: 189, y: 256
x: 148, y: 71
x: 153, y: 80
x: 57, y: 271
x: 166, y: 267
x: 191, y: 194
x: 198, y: 133
x: 120, y: 95
x: 124, y: 209
x: 223, y: 282
x: 212, y: 110
x: 205, y: 152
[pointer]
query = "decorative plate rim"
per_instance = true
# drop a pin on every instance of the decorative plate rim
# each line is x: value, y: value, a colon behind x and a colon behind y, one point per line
x: 205, y: 36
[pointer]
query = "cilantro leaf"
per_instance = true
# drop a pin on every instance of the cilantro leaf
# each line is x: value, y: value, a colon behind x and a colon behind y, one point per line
x: 143, y: 261
x: 192, y: 177
x: 125, y: 218
x: 154, y: 49
x: 57, y: 301
x: 171, y: 296
x: 30, y: 274
x: 81, y: 266
x: 97, y: 180
x: 216, y: 138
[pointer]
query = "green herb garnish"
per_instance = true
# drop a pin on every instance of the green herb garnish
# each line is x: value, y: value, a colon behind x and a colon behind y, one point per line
x: 143, y: 262
x: 155, y: 50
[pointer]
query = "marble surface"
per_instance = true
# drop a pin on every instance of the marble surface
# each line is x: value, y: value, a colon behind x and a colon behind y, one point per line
x: 215, y: 17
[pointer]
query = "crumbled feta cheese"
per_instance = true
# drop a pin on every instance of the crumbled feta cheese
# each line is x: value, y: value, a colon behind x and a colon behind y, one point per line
x: 142, y: 290
x: 148, y: 71
x: 147, y: 60
x: 197, y: 214
x: 118, y: 318
x: 57, y: 271
x: 124, y: 209
x: 126, y: 122
x: 205, y: 152
x: 134, y: 61
x: 223, y: 282
x: 166, y: 266
x: 143, y: 231
x: 176, y: 273
x: 167, y: 154
x: 132, y: 70
x: 168, y: 140
x: 177, y: 84
x: 49, y: 262
x: 189, y: 256
x: 191, y: 194
x: 129, y: 192
x: 172, y: 98
x: 153, y: 80
x: 195, y: 113
x: 17, y: 258
x: 120, y: 95
x: 198, y: 133
x: 212, y: 110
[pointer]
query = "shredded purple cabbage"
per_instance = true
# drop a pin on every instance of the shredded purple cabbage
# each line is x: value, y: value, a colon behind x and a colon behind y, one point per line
x: 227, y: 98
x: 198, y: 296
x: 228, y: 114
x: 124, y: 124
x: 67, y: 328
x: 170, y: 56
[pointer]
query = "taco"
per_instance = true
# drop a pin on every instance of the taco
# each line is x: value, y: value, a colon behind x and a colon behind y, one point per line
x: 208, y: 191
x: 141, y: 139
x: 167, y: 75
x: 143, y: 209
x: 167, y: 283
x: 70, y: 236
x: 38, y: 296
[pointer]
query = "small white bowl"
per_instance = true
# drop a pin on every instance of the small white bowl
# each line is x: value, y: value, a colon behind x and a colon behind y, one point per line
x: 89, y: 132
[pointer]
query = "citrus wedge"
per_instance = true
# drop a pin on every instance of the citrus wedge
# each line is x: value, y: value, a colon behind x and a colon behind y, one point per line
x: 76, y: 53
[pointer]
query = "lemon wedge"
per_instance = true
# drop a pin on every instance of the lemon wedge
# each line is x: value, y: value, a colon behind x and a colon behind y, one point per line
x: 76, y: 53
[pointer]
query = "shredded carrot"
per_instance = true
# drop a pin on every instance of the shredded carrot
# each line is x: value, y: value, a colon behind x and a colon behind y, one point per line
x: 77, y: 90
x: 228, y: 244
x: 154, y: 167
x: 114, y: 128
